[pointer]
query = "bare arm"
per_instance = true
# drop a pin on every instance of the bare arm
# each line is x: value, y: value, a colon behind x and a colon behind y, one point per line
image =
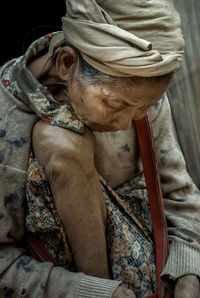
x: 68, y: 159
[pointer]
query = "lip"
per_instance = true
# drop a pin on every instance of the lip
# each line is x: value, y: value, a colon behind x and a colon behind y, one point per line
x: 84, y: 120
x: 99, y: 128
x: 81, y: 118
x: 96, y: 127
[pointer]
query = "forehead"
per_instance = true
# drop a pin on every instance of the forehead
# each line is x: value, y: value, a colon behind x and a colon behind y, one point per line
x: 141, y: 93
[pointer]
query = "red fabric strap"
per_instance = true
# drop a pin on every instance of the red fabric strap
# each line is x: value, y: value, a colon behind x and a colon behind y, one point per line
x: 152, y: 177
x: 37, y: 251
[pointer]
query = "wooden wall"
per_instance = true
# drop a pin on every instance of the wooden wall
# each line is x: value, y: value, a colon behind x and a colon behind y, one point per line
x: 184, y: 91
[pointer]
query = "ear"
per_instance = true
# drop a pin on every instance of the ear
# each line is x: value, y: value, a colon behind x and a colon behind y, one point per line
x: 65, y: 60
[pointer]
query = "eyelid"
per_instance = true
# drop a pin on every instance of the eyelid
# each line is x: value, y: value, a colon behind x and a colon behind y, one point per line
x: 115, y: 103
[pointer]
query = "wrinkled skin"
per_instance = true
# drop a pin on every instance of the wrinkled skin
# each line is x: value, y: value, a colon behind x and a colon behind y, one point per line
x: 101, y: 108
x: 122, y: 292
x: 187, y: 287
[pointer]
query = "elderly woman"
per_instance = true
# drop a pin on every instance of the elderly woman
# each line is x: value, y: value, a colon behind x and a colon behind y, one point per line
x: 82, y: 175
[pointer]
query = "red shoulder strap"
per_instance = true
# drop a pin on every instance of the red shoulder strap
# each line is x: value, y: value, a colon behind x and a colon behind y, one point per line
x: 151, y: 172
x: 37, y: 251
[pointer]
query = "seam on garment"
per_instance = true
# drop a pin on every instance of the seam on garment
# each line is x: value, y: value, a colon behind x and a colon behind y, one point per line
x: 13, y: 169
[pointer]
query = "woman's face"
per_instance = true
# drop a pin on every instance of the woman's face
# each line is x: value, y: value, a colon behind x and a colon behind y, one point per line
x: 103, y: 107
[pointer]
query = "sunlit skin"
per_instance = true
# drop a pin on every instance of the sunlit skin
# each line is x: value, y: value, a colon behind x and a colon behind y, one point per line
x: 71, y: 170
x: 108, y: 108
x: 102, y: 107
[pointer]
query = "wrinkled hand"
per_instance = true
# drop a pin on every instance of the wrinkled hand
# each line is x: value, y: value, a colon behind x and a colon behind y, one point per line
x: 187, y: 286
x: 122, y: 292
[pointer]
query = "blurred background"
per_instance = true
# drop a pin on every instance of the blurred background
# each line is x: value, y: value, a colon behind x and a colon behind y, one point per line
x: 184, y: 91
x: 23, y: 22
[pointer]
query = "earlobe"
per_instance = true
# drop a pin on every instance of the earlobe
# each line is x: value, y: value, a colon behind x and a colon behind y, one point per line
x: 65, y: 62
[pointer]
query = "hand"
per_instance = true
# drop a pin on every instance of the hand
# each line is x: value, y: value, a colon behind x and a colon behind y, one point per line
x: 122, y: 292
x: 187, y: 287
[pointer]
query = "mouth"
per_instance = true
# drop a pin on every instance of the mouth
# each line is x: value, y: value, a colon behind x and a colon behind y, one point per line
x: 101, y: 128
x: 84, y: 120
x: 96, y: 127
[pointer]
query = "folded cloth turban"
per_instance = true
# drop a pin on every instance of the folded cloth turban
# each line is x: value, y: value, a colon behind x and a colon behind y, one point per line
x: 125, y: 37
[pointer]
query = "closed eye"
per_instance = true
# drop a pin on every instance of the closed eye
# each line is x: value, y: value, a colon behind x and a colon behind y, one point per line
x: 115, y: 104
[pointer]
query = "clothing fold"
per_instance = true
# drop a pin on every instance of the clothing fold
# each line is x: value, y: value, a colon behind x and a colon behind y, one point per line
x: 146, y: 42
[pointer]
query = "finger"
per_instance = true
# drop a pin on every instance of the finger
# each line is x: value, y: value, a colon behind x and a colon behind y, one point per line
x: 187, y: 287
x: 187, y: 292
x: 129, y: 293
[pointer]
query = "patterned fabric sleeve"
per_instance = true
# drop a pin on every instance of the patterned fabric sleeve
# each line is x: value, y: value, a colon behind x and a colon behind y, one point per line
x: 181, y: 197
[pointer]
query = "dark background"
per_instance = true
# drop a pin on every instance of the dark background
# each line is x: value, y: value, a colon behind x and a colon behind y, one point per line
x: 24, y: 21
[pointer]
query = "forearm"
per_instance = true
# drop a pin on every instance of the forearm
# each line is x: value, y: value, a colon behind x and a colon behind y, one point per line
x: 68, y: 160
x: 81, y: 207
x: 181, y: 199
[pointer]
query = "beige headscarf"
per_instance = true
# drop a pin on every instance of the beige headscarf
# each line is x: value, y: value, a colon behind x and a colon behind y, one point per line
x: 126, y: 37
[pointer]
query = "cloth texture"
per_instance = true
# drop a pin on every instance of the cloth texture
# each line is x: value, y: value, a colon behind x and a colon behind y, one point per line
x: 20, y: 274
x: 20, y: 82
x: 131, y: 247
x: 125, y: 38
x: 181, y: 197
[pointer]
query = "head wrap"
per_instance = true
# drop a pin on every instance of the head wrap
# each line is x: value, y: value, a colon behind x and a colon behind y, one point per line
x: 126, y: 37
